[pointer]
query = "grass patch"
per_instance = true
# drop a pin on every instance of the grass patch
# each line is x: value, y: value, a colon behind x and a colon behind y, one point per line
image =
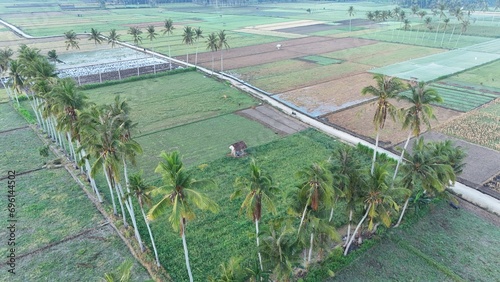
x: 486, y: 75
x: 169, y: 101
x: 20, y: 151
x: 51, y: 207
x: 9, y: 119
x: 84, y: 258
x: 320, y: 60
x: 444, y: 245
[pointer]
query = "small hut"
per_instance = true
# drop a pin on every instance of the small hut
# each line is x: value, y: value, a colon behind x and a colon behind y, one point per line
x: 238, y: 149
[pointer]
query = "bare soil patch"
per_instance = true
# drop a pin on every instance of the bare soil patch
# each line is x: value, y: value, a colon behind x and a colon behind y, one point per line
x: 330, y: 96
x: 359, y: 121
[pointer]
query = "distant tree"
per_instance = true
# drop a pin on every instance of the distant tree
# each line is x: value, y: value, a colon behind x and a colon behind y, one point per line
x: 52, y: 56
x: 136, y: 34
x: 212, y: 45
x: 222, y: 43
x: 188, y: 38
x: 406, y: 23
x: 71, y: 40
x: 151, y: 33
x: 169, y: 27
x: 351, y: 13
x: 95, y: 35
x: 113, y: 37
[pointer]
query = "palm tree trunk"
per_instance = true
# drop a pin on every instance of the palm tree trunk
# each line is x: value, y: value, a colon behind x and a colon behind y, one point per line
x: 452, y: 32
x: 151, y: 237
x: 120, y: 201
x: 401, y: 158
x: 186, y: 255
x: 257, y: 237
x: 356, y: 230
x: 442, y: 38
x: 71, y: 148
x: 375, y: 152
x: 349, y: 227
x: 437, y: 31
x: 36, y: 112
x: 130, y: 207
x: 310, y: 247
x: 302, y: 218
x: 403, y: 212
x: 110, y: 188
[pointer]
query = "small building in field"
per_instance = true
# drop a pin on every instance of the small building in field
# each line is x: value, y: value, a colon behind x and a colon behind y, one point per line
x: 238, y: 149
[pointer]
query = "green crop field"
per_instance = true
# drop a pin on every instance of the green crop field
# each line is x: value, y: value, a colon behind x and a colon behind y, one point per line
x: 445, y: 244
x: 382, y: 53
x: 214, y: 238
x: 445, y: 39
x: 437, y: 65
x: 486, y: 75
x: 3, y: 96
x: 461, y: 99
x: 169, y: 101
x: 320, y: 60
x: 202, y: 141
x: 9, y: 119
x: 20, y: 151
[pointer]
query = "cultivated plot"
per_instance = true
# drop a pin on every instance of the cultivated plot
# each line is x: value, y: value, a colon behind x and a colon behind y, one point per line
x: 20, y: 151
x: 174, y: 100
x: 9, y: 119
x: 438, y: 65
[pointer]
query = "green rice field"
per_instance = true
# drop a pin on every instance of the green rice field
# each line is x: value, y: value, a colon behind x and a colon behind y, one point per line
x: 485, y: 75
x: 461, y: 99
x: 9, y: 119
x: 174, y: 100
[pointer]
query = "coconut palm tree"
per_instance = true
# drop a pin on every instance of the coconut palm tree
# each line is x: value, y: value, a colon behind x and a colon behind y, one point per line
x: 122, y: 274
x: 221, y: 44
x: 188, y: 38
x: 169, y: 29
x: 141, y: 191
x: 179, y: 193
x: 52, y: 56
x: 151, y: 32
x: 212, y: 45
x: 96, y: 36
x: 349, y: 174
x: 5, y: 60
x: 113, y: 37
x: 316, y: 188
x: 278, y: 249
x: 198, y: 34
x: 378, y: 200
x: 71, y: 40
x: 351, y: 13
x: 15, y: 78
x: 232, y: 271
x: 136, y: 34
x: 387, y: 88
x: 425, y: 171
x: 260, y: 190
x: 419, y: 113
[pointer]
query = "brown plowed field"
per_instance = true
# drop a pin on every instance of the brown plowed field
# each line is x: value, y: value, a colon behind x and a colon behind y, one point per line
x: 359, y: 120
x: 293, y: 48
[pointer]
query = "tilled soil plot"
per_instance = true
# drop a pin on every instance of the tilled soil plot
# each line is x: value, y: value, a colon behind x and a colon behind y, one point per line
x: 293, y: 48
